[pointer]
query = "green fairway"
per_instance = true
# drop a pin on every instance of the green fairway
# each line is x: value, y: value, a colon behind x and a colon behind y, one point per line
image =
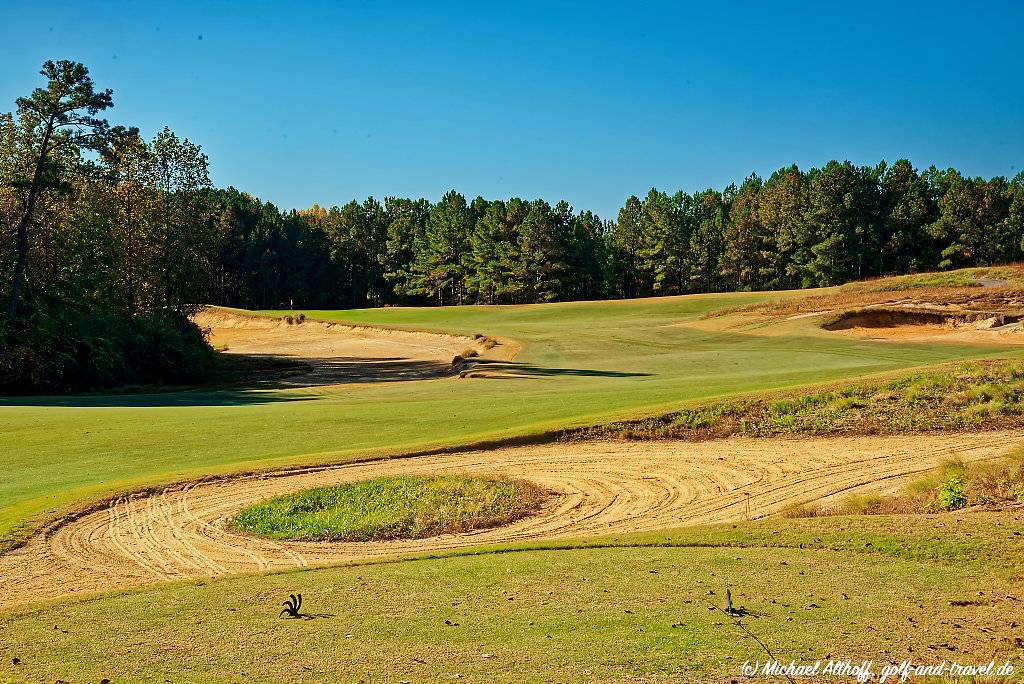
x: 633, y: 608
x: 580, y: 363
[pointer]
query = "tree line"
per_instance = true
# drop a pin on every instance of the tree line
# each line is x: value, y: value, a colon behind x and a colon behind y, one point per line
x: 96, y: 219
x: 108, y: 241
x: 797, y: 229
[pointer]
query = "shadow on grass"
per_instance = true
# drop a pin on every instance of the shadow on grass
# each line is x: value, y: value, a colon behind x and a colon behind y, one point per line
x: 226, y: 397
x: 510, y: 369
x: 341, y: 370
x: 255, y: 379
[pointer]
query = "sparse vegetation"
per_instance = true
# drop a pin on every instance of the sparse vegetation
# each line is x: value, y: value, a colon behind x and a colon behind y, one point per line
x: 978, y: 395
x: 951, y: 487
x: 963, y: 277
x: 961, y: 288
x: 407, y: 507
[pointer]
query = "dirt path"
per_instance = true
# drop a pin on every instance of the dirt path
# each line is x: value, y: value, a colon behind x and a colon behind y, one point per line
x: 340, y: 353
x: 597, y: 488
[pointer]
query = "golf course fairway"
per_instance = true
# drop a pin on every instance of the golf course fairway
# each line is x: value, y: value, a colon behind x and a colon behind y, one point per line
x: 579, y: 363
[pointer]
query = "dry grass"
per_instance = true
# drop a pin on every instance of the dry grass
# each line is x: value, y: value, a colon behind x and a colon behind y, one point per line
x: 983, y: 395
x: 958, y: 289
x: 952, y: 486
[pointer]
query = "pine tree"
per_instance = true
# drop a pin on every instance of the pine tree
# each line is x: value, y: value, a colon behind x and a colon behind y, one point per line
x: 440, y: 271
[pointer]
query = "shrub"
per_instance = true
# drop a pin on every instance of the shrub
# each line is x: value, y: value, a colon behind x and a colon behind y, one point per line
x: 951, y: 494
x: 60, y: 349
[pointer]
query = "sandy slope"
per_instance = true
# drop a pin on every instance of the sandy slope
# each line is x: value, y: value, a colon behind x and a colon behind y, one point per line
x: 1003, y: 335
x: 339, y: 353
x: 597, y: 488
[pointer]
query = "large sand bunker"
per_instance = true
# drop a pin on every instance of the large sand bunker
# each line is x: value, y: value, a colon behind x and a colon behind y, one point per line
x: 340, y: 353
x: 596, y: 488
x: 931, y: 323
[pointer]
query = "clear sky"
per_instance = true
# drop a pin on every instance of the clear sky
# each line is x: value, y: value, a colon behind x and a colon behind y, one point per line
x: 590, y: 102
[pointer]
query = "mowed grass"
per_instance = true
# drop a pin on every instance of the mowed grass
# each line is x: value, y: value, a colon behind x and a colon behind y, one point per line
x: 580, y: 364
x: 632, y: 608
x: 402, y: 507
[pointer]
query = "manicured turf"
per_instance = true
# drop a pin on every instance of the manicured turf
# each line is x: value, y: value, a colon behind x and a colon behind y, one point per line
x: 581, y: 363
x: 635, y: 608
x: 405, y: 507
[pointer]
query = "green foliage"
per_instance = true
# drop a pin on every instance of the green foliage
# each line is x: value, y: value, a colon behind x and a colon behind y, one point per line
x: 951, y: 495
x: 797, y: 229
x: 60, y: 349
x: 391, y: 508
x: 54, y: 126
x: 117, y: 235
x: 140, y: 229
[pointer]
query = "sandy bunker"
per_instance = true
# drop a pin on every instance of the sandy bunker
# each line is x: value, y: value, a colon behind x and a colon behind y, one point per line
x: 931, y: 323
x: 340, y: 353
x: 601, y: 487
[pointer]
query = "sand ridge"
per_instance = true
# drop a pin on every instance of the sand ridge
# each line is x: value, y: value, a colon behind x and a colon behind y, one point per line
x: 599, y: 487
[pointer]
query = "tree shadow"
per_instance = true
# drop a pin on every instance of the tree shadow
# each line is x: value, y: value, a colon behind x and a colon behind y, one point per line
x: 169, y: 398
x: 510, y: 369
x: 341, y: 370
x: 256, y: 378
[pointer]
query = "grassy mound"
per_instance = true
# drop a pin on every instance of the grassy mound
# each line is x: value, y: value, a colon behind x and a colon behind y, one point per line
x: 977, y: 395
x: 405, y: 507
x: 999, y: 289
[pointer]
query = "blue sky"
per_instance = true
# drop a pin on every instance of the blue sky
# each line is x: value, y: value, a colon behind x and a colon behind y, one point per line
x: 589, y: 102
